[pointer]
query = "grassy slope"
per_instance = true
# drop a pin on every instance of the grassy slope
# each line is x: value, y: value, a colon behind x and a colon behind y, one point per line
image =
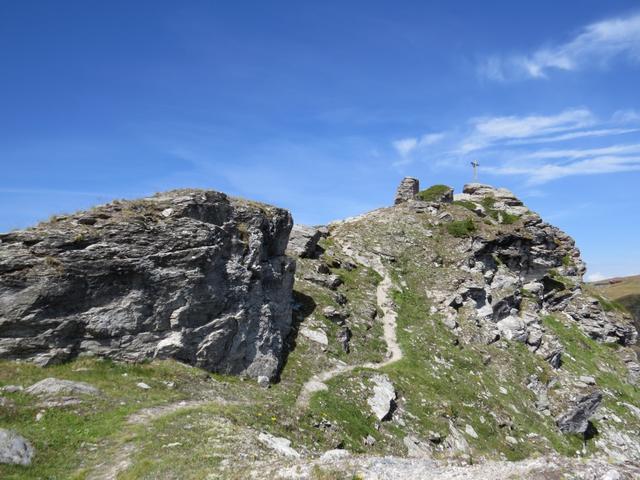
x: 66, y: 435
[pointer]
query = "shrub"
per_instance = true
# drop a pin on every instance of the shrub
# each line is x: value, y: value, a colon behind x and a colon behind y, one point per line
x: 503, y: 217
x: 461, y: 228
x: 466, y: 204
x: 434, y: 193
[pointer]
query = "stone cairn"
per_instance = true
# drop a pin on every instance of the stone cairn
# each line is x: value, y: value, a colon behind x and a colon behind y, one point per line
x: 407, y: 190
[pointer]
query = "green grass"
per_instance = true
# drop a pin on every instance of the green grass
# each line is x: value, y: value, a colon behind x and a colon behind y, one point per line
x: 436, y: 395
x: 500, y: 216
x: 64, y: 435
x: 466, y: 204
x: 433, y: 193
x: 461, y: 228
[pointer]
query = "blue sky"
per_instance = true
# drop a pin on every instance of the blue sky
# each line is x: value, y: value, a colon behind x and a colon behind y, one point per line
x: 322, y: 107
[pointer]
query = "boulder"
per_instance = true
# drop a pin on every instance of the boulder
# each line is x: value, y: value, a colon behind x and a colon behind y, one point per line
x: 407, y: 190
x: 513, y: 328
x: 331, y: 281
x: 316, y: 335
x: 383, y: 399
x: 576, y: 420
x: 14, y: 449
x: 303, y: 241
x: 192, y: 275
x: 55, y: 386
x: 278, y: 444
x: 335, y: 315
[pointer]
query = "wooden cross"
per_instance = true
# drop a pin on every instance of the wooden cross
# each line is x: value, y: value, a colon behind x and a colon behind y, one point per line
x: 475, y: 166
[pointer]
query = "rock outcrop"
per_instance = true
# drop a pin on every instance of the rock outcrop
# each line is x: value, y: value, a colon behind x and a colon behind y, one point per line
x: 518, y: 275
x: 189, y: 274
x: 407, y: 190
x: 303, y: 241
x: 576, y: 420
x: 14, y: 449
x: 55, y: 386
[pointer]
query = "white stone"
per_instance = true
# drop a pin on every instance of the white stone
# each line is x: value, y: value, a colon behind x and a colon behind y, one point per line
x: 470, y: 431
x: 12, y: 388
x: 612, y: 475
x: 318, y: 336
x: 167, y: 212
x: 484, y: 312
x: 143, y: 386
x: 56, y: 386
x: 513, y: 328
x: 278, y: 444
x: 535, y: 288
x: 14, y: 449
x: 511, y: 440
x: 383, y: 396
x: 587, y: 379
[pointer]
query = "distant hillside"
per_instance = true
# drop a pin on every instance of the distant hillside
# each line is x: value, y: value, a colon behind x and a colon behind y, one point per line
x: 623, y: 290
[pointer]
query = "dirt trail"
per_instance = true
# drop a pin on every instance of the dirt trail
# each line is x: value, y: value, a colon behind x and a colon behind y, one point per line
x: 389, y: 317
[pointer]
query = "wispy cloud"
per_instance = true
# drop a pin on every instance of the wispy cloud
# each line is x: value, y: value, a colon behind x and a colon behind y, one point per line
x: 602, y: 132
x: 595, y: 46
x: 537, y: 173
x: 539, y: 148
x: 589, y: 152
x: 626, y: 116
x: 489, y: 130
x: 406, y: 146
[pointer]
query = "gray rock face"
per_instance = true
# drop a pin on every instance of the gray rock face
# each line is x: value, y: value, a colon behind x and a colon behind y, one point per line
x: 407, y: 190
x: 14, y: 449
x: 55, y: 386
x: 189, y: 274
x: 303, y: 241
x: 576, y: 420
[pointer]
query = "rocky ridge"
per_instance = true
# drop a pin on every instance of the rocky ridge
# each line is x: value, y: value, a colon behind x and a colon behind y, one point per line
x: 498, y: 275
x: 440, y: 332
